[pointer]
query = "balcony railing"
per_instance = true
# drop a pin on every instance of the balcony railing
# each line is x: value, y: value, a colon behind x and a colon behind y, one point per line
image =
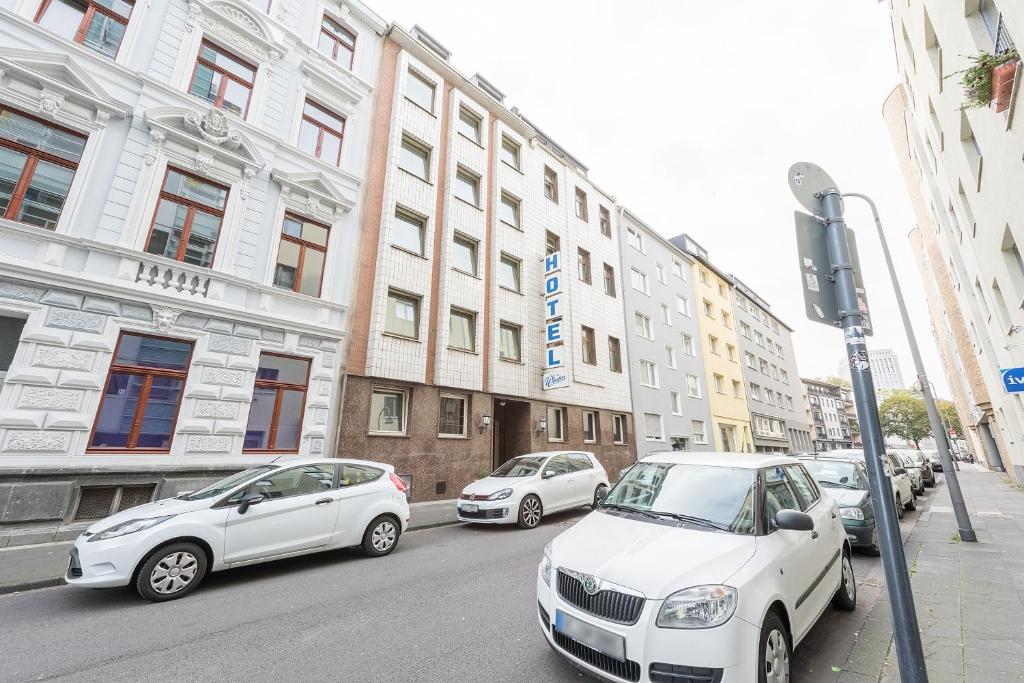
x: 1004, y: 43
x: 172, y: 278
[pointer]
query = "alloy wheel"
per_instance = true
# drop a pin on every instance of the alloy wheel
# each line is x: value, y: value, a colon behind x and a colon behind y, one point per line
x: 776, y: 658
x: 383, y: 536
x: 531, y: 511
x: 173, y: 573
x: 848, y: 580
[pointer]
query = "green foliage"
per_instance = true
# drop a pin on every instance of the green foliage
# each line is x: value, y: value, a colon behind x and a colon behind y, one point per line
x: 977, y: 78
x: 839, y: 381
x: 950, y: 418
x: 904, y: 415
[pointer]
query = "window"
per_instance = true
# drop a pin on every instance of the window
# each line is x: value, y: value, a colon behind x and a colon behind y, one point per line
x: 605, y: 218
x: 643, y: 325
x: 730, y: 352
x: 697, y: 429
x: 759, y: 339
x: 223, y: 79
x: 452, y: 415
x: 713, y: 344
x: 467, y: 187
x: 583, y: 263
x: 764, y: 366
x: 414, y: 158
x: 727, y: 319
x: 737, y: 389
x: 789, y: 402
x: 556, y: 424
x: 97, y: 24
x: 709, y: 310
x: 589, y: 346
x: 688, y: 346
x: 462, y: 330
x: 509, y: 269
x: 403, y: 315
x: 721, y: 289
x: 508, y: 342
x: 666, y: 314
x: 581, y: 204
x: 801, y: 481
x: 719, y: 383
x: 769, y: 397
x: 187, y: 219
x: 677, y: 402
x: 336, y: 42
x: 670, y: 353
x: 648, y: 374
x: 590, y: 430
x: 745, y: 330
x: 614, y: 355
x: 278, y: 402
x: 609, y: 280
x: 653, y: 430
x: 693, y: 386
x: 419, y: 90
x: 677, y: 269
x: 635, y: 239
x: 639, y: 281
x: 321, y: 133
x: 552, y: 243
x: 407, y: 232
x: 37, y: 164
x: 142, y: 397
x: 683, y: 305
x: 550, y: 185
x: 464, y: 254
x: 618, y: 429
x: 704, y: 277
x: 468, y: 125
x: 301, y: 255
x: 510, y: 152
x: 387, y: 411
x: 755, y: 391
x: 660, y: 271
x: 508, y: 210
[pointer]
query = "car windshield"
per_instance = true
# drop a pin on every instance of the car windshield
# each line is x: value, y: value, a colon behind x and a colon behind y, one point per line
x: 227, y: 483
x: 833, y: 473
x: 716, y: 497
x: 525, y: 466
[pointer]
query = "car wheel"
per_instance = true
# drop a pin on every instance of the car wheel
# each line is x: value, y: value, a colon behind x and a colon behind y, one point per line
x: 899, y: 506
x: 930, y: 484
x: 846, y: 597
x: 912, y: 504
x: 599, y: 494
x: 381, y: 536
x: 530, y: 512
x: 773, y: 652
x: 171, y: 572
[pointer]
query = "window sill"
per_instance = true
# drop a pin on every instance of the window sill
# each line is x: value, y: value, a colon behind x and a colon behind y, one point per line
x: 517, y: 170
x: 508, y: 289
x: 464, y: 437
x: 466, y: 272
x: 420, y: 106
x: 413, y: 175
x: 513, y: 361
x: 470, y: 352
x: 475, y: 206
x: 393, y: 435
x: 410, y: 252
x: 511, y: 225
x: 466, y: 137
x: 400, y: 336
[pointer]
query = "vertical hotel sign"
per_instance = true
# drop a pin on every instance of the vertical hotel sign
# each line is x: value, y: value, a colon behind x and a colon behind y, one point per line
x: 555, y: 374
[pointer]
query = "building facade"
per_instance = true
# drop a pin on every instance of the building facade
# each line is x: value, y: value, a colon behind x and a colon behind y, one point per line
x: 885, y: 370
x: 488, y: 316
x: 770, y: 375
x: 667, y: 376
x: 828, y: 410
x: 962, y: 169
x: 178, y: 248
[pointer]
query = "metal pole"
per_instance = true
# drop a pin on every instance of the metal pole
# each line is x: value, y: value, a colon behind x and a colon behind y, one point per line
x: 897, y: 579
x: 963, y: 520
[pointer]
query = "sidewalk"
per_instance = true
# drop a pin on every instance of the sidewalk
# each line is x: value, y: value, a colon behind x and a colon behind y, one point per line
x: 969, y: 596
x: 24, y: 567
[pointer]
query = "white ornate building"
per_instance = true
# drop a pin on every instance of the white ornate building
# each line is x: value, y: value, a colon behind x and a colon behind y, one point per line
x: 180, y: 188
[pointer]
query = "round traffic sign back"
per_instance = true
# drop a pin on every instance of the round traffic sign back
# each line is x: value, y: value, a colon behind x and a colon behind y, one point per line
x: 806, y: 180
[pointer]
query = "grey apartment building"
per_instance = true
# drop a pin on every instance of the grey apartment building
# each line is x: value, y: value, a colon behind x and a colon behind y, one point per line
x: 663, y: 342
x: 777, y: 417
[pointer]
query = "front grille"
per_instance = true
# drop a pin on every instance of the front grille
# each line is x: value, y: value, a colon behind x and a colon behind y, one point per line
x: 494, y: 513
x: 621, y: 608
x: 475, y: 496
x: 74, y: 566
x: 627, y: 670
x: 677, y: 673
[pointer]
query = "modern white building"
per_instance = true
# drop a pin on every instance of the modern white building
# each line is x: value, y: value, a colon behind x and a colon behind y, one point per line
x: 885, y: 370
x: 181, y: 185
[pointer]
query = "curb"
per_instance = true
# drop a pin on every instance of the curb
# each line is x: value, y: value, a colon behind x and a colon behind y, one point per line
x: 30, y: 585
x: 434, y: 525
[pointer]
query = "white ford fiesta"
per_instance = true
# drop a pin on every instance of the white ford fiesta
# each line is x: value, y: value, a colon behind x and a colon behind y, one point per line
x: 703, y: 567
x: 525, y: 488
x: 272, y: 511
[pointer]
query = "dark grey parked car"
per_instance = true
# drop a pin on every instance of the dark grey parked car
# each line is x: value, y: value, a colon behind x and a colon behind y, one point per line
x: 847, y: 483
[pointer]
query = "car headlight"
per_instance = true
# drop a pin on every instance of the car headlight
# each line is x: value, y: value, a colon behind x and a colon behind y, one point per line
x: 129, y: 527
x: 851, y: 513
x: 545, y: 565
x: 500, y: 495
x: 698, y: 607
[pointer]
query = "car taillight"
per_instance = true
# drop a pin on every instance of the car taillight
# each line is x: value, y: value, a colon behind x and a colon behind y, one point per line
x: 398, y: 482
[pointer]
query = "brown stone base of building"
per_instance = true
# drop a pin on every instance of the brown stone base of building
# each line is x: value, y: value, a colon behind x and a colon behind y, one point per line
x: 441, y: 466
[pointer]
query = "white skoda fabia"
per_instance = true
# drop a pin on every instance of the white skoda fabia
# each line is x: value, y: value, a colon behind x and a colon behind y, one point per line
x: 269, y: 512
x: 699, y: 567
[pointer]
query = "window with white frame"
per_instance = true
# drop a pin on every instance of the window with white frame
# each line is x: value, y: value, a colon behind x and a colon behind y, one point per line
x: 730, y: 352
x: 590, y: 430
x: 689, y: 348
x: 468, y: 124
x: 509, y: 335
x: 467, y: 187
x: 653, y: 428
x: 693, y: 386
x: 683, y: 305
x: 677, y: 269
x: 709, y: 309
x: 661, y: 273
x: 750, y: 360
x: 719, y: 383
x: 388, y: 411
x: 670, y: 353
x: 648, y: 374
x: 403, y: 314
x: 618, y: 429
x: 509, y: 152
x: 745, y: 330
x: 510, y: 272
x: 737, y: 389
x: 642, y: 324
x: 407, y: 231
x: 419, y: 90
x: 638, y: 280
x: 509, y: 210
x: 635, y: 239
x: 464, y: 251
x: 414, y: 158
x: 713, y: 345
x: 677, y: 402
x: 755, y: 391
x: 666, y: 314
x: 453, y: 415
x: 556, y: 423
x: 462, y: 330
x: 697, y: 429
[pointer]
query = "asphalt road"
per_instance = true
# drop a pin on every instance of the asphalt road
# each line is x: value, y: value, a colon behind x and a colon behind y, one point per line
x: 451, y: 603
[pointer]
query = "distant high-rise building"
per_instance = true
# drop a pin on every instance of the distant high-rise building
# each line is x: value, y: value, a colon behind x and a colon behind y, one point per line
x: 885, y: 368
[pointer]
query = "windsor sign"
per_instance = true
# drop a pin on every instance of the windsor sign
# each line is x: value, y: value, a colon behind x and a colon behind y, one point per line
x: 555, y: 374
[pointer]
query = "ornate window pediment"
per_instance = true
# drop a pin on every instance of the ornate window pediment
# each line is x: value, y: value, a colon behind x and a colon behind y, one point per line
x: 236, y: 25
x: 313, y: 194
x: 339, y: 87
x: 52, y: 85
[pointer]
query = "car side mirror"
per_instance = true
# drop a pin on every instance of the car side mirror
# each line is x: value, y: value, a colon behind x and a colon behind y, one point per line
x: 547, y: 474
x: 844, y: 480
x: 248, y: 502
x: 794, y: 520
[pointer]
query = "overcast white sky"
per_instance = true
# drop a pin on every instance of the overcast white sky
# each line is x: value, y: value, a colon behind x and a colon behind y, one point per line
x: 690, y: 113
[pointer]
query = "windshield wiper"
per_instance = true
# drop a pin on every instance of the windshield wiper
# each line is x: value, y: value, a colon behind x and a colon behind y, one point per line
x: 629, y: 508
x: 826, y: 482
x: 693, y: 520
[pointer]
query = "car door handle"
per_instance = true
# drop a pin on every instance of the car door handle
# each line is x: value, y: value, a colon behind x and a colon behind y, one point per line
x: 324, y: 501
x: 814, y: 534
x: 833, y: 514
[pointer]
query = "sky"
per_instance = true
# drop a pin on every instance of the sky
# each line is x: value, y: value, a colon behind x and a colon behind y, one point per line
x: 690, y: 114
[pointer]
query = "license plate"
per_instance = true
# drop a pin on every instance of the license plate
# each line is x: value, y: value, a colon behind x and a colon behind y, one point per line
x: 470, y: 508
x: 595, y: 638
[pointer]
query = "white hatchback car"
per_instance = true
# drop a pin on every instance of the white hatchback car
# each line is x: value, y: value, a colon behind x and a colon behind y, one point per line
x: 268, y: 512
x: 696, y: 567
x: 525, y: 488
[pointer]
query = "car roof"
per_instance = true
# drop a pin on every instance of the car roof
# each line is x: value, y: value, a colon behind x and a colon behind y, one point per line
x: 289, y: 461
x: 742, y: 460
x: 827, y: 457
x: 544, y: 454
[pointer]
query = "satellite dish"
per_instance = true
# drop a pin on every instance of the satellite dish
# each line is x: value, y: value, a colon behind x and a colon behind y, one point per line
x: 806, y: 180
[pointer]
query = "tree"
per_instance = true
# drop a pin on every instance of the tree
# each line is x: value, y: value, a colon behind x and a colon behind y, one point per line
x: 839, y: 382
x: 904, y: 415
x: 950, y: 418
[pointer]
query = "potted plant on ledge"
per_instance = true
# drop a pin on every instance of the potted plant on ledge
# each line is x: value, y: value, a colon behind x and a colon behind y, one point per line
x: 989, y: 80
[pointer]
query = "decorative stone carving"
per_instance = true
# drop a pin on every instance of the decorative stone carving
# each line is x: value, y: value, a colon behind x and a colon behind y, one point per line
x: 67, y: 359
x: 276, y: 336
x: 316, y: 446
x: 194, y: 16
x: 189, y: 320
x: 308, y: 342
x: 75, y: 320
x: 50, y: 103
x: 156, y: 141
x: 223, y: 377
x: 247, y: 331
x: 202, y: 163
x: 165, y: 317
x: 37, y: 441
x: 50, y: 399
x: 209, y: 444
x: 221, y: 410
x: 247, y: 175
x: 13, y: 290
x: 136, y: 312
x: 319, y: 416
x: 330, y: 359
x: 222, y: 343
x: 213, y: 127
x: 324, y: 389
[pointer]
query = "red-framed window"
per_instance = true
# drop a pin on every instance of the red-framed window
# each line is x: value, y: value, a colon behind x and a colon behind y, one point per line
x: 187, y: 220
x: 142, y: 397
x: 337, y: 42
x: 301, y: 255
x: 97, y: 24
x: 38, y: 161
x: 321, y: 132
x: 223, y: 79
x: 278, y: 403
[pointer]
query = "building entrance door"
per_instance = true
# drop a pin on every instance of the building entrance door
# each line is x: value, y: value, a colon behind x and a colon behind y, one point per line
x: 511, y: 430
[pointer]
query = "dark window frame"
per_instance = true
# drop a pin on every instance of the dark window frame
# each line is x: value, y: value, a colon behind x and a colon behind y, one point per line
x: 218, y: 102
x: 303, y: 245
x: 193, y: 206
x: 337, y: 41
x: 91, y: 9
x: 323, y: 129
x: 275, y: 418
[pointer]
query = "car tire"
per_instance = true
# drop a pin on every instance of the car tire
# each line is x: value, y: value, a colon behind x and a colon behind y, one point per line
x: 774, y: 651
x: 381, y: 536
x: 530, y: 512
x: 597, y: 496
x: 846, y: 596
x: 899, y: 506
x: 912, y: 504
x: 171, y: 572
x: 930, y: 484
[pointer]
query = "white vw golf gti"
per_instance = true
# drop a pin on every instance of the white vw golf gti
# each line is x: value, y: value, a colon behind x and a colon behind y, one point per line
x: 705, y: 568
x: 528, y: 487
x: 277, y: 510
